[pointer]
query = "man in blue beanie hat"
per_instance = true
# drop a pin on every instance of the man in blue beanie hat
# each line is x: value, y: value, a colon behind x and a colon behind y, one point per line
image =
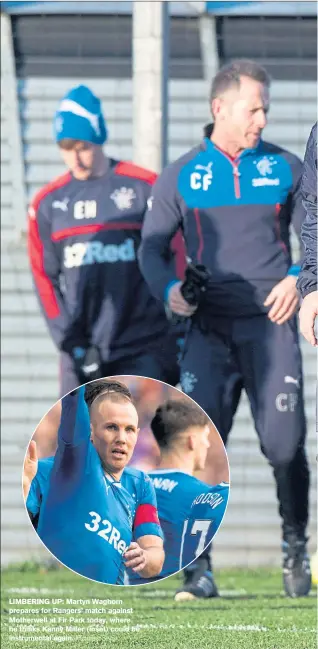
x: 84, y: 233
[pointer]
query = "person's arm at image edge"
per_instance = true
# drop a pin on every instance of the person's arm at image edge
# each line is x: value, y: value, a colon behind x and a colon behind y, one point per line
x: 283, y: 298
x: 307, y: 281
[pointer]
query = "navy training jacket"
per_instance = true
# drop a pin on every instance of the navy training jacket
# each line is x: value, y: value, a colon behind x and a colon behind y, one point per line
x: 235, y: 216
x: 307, y: 281
x: 83, y: 239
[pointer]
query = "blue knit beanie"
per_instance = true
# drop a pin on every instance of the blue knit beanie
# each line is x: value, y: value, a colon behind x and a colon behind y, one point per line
x: 79, y: 117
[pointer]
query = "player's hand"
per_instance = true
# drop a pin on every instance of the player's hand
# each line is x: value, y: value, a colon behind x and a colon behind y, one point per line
x: 30, y: 468
x: 135, y: 557
x: 87, y: 363
x: 177, y: 303
x: 284, y: 300
x: 307, y: 316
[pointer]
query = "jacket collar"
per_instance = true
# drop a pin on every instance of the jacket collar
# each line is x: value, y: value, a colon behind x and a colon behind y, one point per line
x: 210, y: 146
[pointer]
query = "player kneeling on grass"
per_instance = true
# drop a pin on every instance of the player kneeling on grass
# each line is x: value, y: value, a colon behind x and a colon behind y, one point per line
x: 85, y: 503
x: 190, y: 511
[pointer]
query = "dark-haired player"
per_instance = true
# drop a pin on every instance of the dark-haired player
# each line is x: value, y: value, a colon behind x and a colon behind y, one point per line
x: 88, y: 504
x: 190, y: 511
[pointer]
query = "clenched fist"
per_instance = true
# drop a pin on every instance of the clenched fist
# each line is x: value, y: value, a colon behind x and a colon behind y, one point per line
x: 177, y: 303
x: 135, y: 557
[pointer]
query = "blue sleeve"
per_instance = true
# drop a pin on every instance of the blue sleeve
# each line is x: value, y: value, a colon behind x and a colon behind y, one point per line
x: 34, y: 498
x: 168, y: 287
x: 39, y: 486
x: 206, y: 514
x: 72, y: 455
x: 75, y: 422
x: 212, y: 509
x: 146, y: 518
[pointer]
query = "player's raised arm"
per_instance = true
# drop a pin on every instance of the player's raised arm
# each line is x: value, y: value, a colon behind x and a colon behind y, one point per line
x: 75, y: 422
x: 73, y: 439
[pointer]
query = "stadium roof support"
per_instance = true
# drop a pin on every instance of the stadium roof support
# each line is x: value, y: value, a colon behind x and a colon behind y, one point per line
x: 150, y: 84
x: 10, y: 107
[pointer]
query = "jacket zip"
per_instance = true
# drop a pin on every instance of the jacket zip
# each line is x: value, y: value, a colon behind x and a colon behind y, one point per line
x: 236, y: 173
x: 235, y: 164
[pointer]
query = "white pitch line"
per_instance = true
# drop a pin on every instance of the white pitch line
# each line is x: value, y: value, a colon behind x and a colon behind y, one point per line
x: 168, y: 593
x: 42, y: 591
x: 239, y: 628
x: 254, y: 627
x: 236, y: 627
x: 144, y: 593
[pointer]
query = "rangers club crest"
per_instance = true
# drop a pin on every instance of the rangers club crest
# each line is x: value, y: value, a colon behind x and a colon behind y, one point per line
x: 188, y: 381
x: 265, y: 164
x: 123, y: 197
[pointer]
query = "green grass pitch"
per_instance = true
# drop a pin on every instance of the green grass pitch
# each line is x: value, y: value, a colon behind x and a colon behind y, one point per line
x: 252, y: 613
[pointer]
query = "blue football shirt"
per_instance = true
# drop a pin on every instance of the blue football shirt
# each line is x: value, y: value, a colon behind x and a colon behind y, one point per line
x: 203, y: 521
x: 190, y: 512
x: 85, y: 518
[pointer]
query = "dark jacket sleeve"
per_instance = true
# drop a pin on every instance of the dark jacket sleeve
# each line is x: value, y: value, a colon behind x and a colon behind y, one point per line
x: 162, y: 221
x: 292, y: 211
x: 307, y: 281
x: 45, y: 268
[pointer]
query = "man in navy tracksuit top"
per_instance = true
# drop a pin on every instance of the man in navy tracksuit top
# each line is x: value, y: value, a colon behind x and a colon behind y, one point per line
x: 235, y: 197
x: 84, y: 232
x: 307, y: 281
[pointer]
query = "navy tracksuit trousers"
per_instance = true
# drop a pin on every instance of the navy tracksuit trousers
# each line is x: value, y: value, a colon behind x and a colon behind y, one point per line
x: 263, y: 358
x: 158, y: 362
